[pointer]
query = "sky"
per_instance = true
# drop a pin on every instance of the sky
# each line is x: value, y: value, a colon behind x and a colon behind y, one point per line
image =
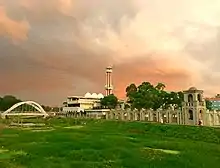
x: 55, y: 48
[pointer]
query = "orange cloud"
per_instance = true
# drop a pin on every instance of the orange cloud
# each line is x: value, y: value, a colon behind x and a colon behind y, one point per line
x: 64, y: 6
x: 16, y: 30
x: 152, y: 70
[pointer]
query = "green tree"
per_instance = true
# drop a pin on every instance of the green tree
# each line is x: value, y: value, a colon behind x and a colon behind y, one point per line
x: 109, y: 101
x: 1, y: 103
x: 46, y: 108
x: 180, y: 99
x: 132, y: 88
x: 149, y: 97
x: 7, y: 101
x: 160, y: 86
x: 145, y: 96
x: 208, y: 104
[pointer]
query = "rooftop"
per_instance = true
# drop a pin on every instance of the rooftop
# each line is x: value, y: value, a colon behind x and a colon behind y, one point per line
x: 89, y: 96
x: 94, y: 95
x: 193, y: 88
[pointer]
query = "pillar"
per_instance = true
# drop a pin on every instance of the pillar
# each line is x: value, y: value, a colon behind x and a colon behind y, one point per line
x: 170, y: 117
x: 167, y: 117
x: 150, y: 115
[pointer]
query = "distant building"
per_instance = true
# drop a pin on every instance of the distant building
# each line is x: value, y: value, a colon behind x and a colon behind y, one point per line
x: 81, y: 103
x: 215, y: 102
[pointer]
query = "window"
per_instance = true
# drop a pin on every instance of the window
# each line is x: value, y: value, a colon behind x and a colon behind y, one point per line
x: 200, y: 114
x: 74, y: 105
x: 190, y: 98
x: 190, y: 115
x: 199, y: 97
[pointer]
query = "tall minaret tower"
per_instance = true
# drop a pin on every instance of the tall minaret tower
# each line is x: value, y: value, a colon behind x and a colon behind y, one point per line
x: 108, y: 86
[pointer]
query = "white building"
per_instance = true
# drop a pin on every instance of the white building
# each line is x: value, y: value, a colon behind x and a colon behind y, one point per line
x: 80, y: 103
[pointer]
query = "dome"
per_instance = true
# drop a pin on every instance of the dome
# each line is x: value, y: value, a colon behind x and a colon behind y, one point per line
x: 100, y: 96
x: 88, y: 95
x: 94, y: 95
x: 193, y: 88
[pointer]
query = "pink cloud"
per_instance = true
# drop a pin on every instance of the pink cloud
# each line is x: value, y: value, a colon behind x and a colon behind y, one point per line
x: 15, y: 30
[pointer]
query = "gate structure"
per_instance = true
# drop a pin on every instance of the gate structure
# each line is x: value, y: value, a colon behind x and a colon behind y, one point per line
x: 26, y: 108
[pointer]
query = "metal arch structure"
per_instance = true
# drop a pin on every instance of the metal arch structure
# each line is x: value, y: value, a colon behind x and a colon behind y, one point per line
x: 41, y: 111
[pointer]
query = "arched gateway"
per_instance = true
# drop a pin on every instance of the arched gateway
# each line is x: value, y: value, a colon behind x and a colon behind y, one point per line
x: 39, y: 110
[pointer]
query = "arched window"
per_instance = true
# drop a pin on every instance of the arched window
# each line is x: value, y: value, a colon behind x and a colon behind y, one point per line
x: 125, y: 116
x: 199, y: 97
x: 211, y: 119
x: 131, y: 116
x: 113, y: 116
x: 155, y: 117
x: 138, y: 117
x: 190, y: 115
x: 119, y: 116
x: 190, y: 98
x: 146, y: 117
x: 200, y: 114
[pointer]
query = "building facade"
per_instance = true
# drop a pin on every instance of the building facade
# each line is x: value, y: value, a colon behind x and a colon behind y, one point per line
x: 81, y: 103
x: 193, y: 112
x: 193, y: 107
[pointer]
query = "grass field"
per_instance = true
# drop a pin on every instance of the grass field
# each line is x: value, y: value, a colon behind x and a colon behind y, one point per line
x: 68, y: 143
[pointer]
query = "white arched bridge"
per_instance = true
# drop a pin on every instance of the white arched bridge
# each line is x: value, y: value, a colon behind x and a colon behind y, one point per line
x: 32, y: 109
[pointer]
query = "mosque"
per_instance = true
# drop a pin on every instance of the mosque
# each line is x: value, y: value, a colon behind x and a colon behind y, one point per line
x: 193, y: 112
x: 81, y: 103
x: 89, y: 101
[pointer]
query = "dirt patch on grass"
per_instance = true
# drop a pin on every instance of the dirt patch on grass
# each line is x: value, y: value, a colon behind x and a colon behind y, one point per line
x: 42, y: 130
x: 163, y: 150
x: 136, y: 131
x: 74, y: 127
x: 10, y: 135
x: 3, y: 150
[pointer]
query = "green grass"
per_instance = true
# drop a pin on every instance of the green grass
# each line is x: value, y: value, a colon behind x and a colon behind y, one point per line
x: 68, y: 143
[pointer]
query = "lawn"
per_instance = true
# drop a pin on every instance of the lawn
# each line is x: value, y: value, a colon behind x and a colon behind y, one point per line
x: 69, y: 143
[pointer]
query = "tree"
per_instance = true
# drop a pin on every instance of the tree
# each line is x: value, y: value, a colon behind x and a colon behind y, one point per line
x: 148, y: 96
x: 160, y: 86
x: 1, y: 99
x: 208, y: 104
x: 144, y: 97
x: 46, y: 108
x: 109, y: 101
x: 175, y: 99
x: 180, y: 99
x: 131, y: 89
x: 7, y: 101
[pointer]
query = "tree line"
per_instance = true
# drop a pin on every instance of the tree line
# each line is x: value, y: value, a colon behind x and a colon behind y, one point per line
x: 144, y: 96
x: 148, y: 96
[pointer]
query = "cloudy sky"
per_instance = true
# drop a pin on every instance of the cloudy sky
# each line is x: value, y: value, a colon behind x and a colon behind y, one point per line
x: 53, y: 48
